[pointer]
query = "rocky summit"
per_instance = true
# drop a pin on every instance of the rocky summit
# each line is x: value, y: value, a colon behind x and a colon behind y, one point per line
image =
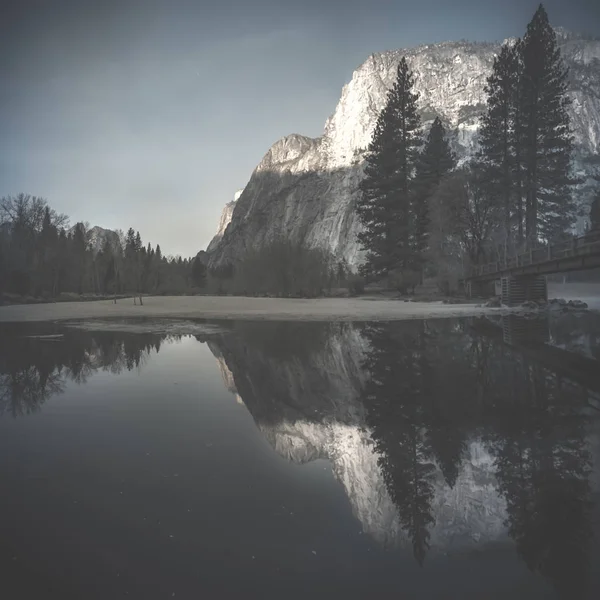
x: 97, y: 237
x: 306, y: 188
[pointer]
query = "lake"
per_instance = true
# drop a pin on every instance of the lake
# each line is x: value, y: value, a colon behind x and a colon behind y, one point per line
x: 191, y: 459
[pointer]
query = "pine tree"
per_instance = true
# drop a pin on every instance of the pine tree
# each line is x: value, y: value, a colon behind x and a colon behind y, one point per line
x: 78, y: 256
x: 434, y: 163
x: 595, y: 213
x: 198, y: 273
x: 61, y: 283
x: 384, y: 207
x: 518, y: 147
x: 130, y: 240
x: 131, y: 260
x: 498, y: 139
x: 545, y: 133
x: 47, y: 254
x: 158, y: 267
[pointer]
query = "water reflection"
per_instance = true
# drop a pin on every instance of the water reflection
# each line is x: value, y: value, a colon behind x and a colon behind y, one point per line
x: 433, y: 388
x: 445, y: 435
x: 33, y: 368
x: 458, y: 439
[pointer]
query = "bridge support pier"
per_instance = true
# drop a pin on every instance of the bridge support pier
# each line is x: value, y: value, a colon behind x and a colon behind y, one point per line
x: 518, y: 330
x: 519, y: 289
x: 480, y: 289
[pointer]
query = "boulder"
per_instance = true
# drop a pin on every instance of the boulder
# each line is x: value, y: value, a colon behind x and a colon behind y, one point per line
x: 493, y: 303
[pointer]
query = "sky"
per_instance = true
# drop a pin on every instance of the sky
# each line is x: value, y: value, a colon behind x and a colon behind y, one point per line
x: 151, y: 114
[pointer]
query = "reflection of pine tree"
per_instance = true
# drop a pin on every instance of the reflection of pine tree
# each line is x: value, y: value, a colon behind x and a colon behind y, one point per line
x: 448, y: 446
x: 449, y: 392
x: 396, y: 414
x: 543, y: 472
x: 32, y: 371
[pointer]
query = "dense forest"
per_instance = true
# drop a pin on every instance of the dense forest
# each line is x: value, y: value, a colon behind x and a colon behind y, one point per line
x: 41, y: 257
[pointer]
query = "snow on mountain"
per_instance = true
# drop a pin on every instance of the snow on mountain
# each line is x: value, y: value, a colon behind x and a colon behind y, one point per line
x: 224, y: 221
x: 306, y: 188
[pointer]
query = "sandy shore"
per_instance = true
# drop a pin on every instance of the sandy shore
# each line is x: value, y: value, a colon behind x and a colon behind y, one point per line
x: 213, y: 307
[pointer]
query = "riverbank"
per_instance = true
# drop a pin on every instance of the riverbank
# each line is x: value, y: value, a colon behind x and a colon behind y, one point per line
x: 366, y: 308
x: 15, y: 299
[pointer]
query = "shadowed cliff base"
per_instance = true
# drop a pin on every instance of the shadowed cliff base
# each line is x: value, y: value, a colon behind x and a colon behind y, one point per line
x: 306, y: 204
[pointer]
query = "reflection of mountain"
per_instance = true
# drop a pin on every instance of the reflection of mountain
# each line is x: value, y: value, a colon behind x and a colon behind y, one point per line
x: 442, y: 440
x: 305, y: 393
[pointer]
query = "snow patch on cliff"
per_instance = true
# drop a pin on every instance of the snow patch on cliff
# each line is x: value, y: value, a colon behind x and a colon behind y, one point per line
x: 226, y: 216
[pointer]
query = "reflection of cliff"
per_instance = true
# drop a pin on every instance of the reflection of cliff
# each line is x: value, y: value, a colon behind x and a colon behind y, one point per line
x: 442, y: 440
x: 304, y: 387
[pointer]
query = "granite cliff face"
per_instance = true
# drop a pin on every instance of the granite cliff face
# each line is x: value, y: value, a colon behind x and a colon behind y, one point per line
x: 98, y: 236
x: 306, y: 188
x: 224, y: 221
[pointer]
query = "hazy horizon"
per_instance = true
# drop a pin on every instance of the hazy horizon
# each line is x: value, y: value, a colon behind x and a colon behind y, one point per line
x: 151, y: 115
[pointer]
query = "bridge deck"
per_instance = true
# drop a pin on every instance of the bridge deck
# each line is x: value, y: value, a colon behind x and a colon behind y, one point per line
x: 575, y: 255
x: 576, y: 367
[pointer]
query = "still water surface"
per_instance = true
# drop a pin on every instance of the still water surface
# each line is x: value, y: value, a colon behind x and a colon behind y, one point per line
x: 421, y: 459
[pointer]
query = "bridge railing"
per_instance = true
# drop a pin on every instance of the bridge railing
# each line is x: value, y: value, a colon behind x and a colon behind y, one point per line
x: 580, y: 246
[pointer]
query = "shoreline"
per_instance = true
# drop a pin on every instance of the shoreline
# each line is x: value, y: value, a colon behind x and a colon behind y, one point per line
x: 246, y: 308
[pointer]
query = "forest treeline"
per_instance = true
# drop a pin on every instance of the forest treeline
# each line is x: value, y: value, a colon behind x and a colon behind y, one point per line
x: 42, y: 257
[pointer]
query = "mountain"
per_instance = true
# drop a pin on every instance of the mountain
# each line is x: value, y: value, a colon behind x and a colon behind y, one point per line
x: 306, y: 188
x: 225, y: 220
x: 96, y: 237
x: 202, y: 257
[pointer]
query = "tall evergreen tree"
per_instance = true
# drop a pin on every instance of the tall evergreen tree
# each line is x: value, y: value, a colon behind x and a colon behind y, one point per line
x: 131, y: 260
x: 545, y: 133
x: 198, y: 273
x: 138, y: 242
x: 47, y: 253
x: 519, y: 147
x: 595, y: 213
x: 434, y: 163
x: 384, y: 207
x: 78, y: 256
x: 499, y: 139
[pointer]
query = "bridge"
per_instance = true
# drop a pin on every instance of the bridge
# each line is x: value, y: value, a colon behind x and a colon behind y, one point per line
x: 523, y: 276
x: 531, y: 338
